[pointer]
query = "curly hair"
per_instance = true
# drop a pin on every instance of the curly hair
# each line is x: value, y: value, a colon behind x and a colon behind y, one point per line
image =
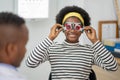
x: 67, y: 9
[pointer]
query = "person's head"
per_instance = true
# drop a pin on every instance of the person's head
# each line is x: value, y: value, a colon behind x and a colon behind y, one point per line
x: 13, y: 38
x: 73, y: 18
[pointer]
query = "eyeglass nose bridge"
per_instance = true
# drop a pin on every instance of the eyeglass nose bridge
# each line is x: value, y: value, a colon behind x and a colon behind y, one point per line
x: 73, y: 26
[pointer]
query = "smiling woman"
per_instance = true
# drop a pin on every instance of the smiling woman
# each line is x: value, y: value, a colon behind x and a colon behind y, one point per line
x: 70, y: 60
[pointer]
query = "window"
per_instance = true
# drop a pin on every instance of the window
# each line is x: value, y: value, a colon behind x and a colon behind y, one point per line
x: 33, y: 9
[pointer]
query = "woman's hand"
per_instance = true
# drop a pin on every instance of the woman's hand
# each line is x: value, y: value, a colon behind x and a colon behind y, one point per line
x: 55, y: 30
x: 91, y: 34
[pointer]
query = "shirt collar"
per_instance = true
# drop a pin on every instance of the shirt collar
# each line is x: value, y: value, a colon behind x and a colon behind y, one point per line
x: 8, y: 66
x: 71, y: 44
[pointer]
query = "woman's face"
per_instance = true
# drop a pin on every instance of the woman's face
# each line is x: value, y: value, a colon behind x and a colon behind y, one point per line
x: 72, y: 35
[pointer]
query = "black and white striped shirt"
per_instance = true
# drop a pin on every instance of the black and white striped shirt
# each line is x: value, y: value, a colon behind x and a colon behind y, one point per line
x: 71, y: 61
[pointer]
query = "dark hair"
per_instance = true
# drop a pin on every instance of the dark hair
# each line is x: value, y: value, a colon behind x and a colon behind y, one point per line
x: 11, y: 18
x: 14, y: 22
x: 77, y: 9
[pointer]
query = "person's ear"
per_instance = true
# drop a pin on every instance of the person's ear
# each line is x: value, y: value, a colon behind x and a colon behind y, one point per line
x: 11, y: 49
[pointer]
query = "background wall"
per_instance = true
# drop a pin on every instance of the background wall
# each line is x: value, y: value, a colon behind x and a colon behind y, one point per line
x: 38, y: 30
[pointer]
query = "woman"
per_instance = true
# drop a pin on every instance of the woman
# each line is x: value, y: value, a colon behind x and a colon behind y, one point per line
x: 70, y: 60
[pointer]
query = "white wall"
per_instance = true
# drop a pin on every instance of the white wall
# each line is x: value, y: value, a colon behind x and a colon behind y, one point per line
x: 38, y: 30
x: 100, y: 10
x: 7, y: 5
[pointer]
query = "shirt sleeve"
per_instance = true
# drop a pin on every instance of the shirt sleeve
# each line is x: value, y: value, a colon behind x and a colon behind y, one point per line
x: 104, y: 58
x: 39, y: 54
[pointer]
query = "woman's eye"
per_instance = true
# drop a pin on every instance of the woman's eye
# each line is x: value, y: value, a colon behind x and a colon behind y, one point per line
x: 67, y: 26
x: 78, y: 27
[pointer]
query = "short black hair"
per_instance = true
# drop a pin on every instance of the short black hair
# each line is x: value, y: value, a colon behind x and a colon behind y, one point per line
x: 67, y: 9
x: 11, y: 18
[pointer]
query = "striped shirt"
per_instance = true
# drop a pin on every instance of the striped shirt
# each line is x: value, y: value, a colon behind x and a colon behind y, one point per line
x: 71, y: 60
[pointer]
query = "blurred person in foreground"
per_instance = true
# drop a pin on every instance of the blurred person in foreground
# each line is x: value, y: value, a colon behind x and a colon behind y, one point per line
x: 13, y: 40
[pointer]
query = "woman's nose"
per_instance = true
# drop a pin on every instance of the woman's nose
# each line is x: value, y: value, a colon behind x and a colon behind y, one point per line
x: 72, y: 30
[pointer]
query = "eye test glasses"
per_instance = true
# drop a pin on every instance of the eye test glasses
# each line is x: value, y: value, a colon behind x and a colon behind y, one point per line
x: 74, y: 26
